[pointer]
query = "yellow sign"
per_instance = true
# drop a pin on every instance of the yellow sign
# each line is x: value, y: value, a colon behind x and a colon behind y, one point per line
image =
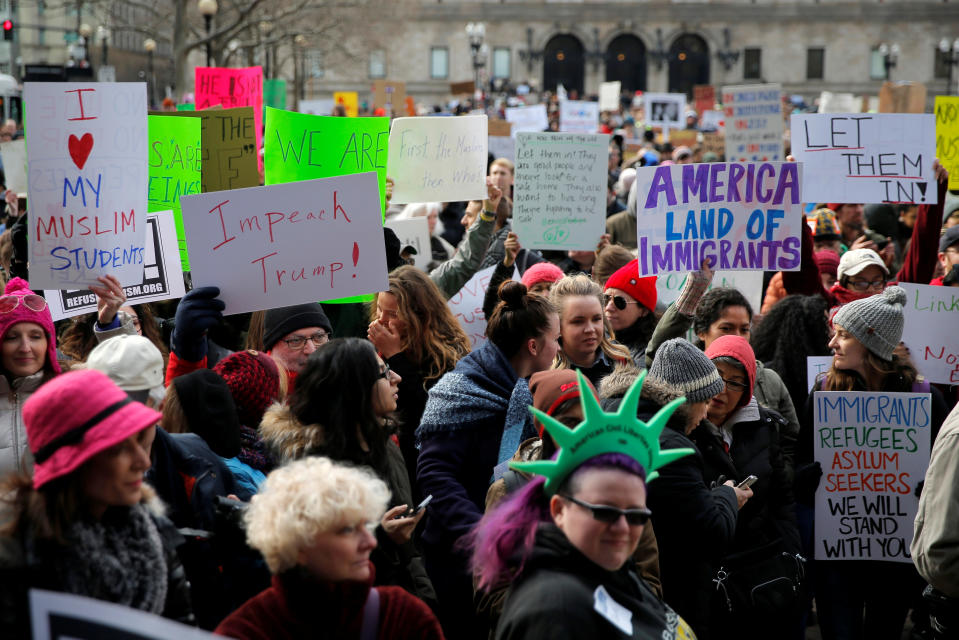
x: 350, y: 100
x: 947, y: 136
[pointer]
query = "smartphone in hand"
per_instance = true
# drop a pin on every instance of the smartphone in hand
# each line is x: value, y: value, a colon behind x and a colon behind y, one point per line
x: 748, y: 482
x: 412, y: 512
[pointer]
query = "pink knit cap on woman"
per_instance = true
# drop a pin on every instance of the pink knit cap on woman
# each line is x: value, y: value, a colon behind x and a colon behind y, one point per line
x: 542, y: 272
x: 739, y: 349
x: 22, y: 313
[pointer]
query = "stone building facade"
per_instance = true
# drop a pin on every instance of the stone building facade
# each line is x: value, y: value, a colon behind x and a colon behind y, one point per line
x: 654, y: 45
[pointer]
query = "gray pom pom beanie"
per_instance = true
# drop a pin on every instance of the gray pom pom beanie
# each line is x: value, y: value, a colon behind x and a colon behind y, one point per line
x: 875, y: 321
x: 683, y: 366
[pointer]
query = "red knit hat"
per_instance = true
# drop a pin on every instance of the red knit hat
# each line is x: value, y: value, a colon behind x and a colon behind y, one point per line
x: 828, y: 261
x: 25, y: 311
x: 76, y: 416
x: 542, y: 272
x: 254, y: 381
x: 738, y: 348
x: 553, y: 387
x: 627, y: 279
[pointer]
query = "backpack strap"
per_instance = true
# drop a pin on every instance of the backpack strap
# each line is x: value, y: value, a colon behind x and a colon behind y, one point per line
x: 371, y: 616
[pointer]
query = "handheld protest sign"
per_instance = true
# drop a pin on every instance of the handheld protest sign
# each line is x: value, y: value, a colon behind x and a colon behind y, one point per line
x: 438, y: 159
x: 302, y: 146
x: 87, y: 182
x: 600, y: 433
x: 233, y: 88
x: 947, y: 137
x: 175, y: 161
x: 754, y: 122
x: 560, y: 189
x: 287, y: 244
x: 866, y: 157
x: 578, y: 116
x: 744, y: 216
x: 874, y: 449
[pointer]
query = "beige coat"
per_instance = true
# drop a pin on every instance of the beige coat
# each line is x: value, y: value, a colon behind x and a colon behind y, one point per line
x: 935, y: 546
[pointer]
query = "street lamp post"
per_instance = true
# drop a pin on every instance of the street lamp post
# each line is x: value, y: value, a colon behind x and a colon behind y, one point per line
x: 85, y: 32
x: 890, y: 56
x: 208, y: 9
x: 150, y: 45
x: 950, y: 56
x: 266, y: 28
x: 476, y: 32
x: 103, y: 35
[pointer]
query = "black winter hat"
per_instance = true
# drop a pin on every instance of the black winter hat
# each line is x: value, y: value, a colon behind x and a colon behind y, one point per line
x: 286, y: 320
x: 209, y: 410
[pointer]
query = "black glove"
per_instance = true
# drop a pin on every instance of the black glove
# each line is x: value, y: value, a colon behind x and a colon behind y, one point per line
x: 198, y: 311
x: 807, y: 481
x: 918, y: 489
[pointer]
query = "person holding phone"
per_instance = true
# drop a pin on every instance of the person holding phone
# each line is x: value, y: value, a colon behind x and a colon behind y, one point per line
x: 740, y: 441
x: 341, y: 408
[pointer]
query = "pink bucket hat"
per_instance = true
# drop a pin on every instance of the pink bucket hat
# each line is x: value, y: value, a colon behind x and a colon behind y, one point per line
x: 76, y: 416
x: 24, y: 311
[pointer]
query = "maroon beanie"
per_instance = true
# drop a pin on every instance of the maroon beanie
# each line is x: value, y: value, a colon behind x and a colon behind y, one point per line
x: 553, y: 387
x: 738, y: 348
x: 627, y: 279
x: 828, y: 262
x: 254, y: 382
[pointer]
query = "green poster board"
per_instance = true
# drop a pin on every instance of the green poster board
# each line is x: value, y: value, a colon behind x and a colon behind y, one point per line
x: 174, y: 160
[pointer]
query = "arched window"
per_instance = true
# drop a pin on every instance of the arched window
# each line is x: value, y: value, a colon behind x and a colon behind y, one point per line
x: 688, y: 64
x: 564, y: 63
x: 626, y: 62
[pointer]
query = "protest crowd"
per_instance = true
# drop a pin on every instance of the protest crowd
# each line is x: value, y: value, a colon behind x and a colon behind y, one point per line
x: 521, y: 417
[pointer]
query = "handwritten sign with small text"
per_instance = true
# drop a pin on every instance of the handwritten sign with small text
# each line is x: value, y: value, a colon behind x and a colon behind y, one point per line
x: 947, y: 137
x: 559, y: 194
x: 578, y: 116
x: 754, y: 122
x: 175, y: 161
x: 437, y: 159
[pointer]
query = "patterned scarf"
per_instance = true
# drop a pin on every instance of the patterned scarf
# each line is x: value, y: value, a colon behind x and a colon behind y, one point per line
x: 119, y: 559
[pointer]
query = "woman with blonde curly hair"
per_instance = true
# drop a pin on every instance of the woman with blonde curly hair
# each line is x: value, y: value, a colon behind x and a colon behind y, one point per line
x: 420, y: 339
x: 585, y: 335
x: 312, y: 523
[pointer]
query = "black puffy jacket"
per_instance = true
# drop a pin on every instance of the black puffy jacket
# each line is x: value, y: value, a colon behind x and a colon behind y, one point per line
x: 770, y: 514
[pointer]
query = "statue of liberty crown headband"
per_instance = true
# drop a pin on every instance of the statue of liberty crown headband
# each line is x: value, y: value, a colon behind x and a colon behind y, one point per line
x: 600, y: 433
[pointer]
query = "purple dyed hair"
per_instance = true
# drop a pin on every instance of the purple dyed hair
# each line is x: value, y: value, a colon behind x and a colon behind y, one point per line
x: 502, y: 540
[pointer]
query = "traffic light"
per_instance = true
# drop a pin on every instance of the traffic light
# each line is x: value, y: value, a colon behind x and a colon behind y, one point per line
x: 8, y: 30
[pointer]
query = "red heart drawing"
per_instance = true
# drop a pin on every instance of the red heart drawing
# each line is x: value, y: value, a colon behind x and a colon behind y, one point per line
x: 80, y: 148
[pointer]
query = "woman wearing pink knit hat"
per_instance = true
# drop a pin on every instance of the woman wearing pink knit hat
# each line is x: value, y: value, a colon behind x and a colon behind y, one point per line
x: 28, y: 358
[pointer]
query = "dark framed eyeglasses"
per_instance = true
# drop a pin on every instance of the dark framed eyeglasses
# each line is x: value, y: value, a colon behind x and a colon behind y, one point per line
x: 31, y: 301
x: 609, y: 515
x: 735, y: 385
x: 618, y: 301
x: 298, y: 342
x: 385, y: 373
x: 866, y: 285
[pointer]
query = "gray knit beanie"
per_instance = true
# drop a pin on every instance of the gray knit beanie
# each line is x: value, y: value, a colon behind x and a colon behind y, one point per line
x: 680, y: 364
x: 875, y: 321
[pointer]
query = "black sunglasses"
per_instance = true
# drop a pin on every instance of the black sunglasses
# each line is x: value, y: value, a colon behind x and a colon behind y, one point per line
x: 609, y: 515
x: 619, y: 301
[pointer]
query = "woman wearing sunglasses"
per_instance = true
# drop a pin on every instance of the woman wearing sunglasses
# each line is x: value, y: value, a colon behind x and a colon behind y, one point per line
x: 28, y: 358
x: 341, y: 408
x: 564, y: 542
x: 741, y: 439
x: 630, y: 301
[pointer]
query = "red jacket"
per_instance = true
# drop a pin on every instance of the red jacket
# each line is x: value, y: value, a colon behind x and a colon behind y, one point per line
x: 296, y: 606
